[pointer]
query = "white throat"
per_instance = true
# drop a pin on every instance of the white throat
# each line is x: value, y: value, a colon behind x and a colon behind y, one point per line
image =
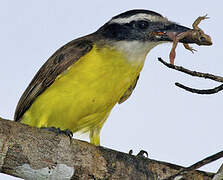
x: 134, y: 50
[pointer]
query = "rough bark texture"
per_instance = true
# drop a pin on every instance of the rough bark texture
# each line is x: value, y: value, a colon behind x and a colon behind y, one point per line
x: 32, y: 153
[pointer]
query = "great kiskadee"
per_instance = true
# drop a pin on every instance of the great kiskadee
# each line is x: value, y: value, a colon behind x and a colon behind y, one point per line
x: 82, y: 81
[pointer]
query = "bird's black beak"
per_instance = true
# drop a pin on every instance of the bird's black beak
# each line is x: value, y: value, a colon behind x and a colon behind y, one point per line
x: 168, y: 32
x: 174, y: 29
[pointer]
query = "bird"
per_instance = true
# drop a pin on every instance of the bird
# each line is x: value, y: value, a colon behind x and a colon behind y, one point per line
x: 78, y: 86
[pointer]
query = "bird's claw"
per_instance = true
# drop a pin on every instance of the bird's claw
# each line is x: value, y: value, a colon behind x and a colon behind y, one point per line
x: 130, y: 152
x: 66, y: 132
x: 142, y: 153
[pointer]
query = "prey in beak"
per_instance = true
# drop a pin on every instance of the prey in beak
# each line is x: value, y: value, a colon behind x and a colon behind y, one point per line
x: 178, y: 33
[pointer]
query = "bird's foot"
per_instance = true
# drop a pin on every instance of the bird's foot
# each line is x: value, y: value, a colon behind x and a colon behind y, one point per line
x: 130, y: 152
x: 141, y: 153
x: 66, y: 132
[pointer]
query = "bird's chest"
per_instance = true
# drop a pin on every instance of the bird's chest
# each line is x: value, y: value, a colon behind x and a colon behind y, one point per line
x: 101, y: 77
x: 92, y: 86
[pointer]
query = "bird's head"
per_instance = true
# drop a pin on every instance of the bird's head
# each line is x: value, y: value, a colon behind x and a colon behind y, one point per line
x: 139, y: 31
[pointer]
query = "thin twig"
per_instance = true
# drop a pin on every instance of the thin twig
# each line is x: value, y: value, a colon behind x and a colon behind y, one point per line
x: 200, y: 91
x: 192, y: 73
x: 198, y: 165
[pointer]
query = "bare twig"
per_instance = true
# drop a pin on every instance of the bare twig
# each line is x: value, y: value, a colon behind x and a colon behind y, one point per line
x: 198, y: 165
x: 192, y: 73
x: 200, y: 91
x: 197, y: 74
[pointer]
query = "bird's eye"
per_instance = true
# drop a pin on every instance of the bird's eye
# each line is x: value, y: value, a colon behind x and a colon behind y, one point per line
x: 142, y: 24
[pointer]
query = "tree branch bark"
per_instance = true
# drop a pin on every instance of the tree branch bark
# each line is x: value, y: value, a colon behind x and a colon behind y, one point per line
x: 32, y: 153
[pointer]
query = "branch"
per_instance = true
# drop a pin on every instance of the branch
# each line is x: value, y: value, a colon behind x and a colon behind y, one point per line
x: 192, y: 73
x: 200, y: 91
x: 198, y: 164
x: 29, y: 152
x: 197, y: 74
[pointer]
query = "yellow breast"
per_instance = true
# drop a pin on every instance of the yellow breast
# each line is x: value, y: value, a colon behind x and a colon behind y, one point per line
x: 82, y: 97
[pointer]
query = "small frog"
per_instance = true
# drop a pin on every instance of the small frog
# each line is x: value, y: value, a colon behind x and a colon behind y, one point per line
x: 195, y: 35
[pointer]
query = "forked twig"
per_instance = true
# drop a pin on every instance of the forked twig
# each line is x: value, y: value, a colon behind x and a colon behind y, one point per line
x: 196, y: 74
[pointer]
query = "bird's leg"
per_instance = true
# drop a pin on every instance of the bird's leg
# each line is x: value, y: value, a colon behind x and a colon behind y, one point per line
x: 95, y: 136
x: 66, y: 132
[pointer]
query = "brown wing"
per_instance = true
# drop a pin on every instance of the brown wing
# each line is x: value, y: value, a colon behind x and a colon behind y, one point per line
x: 55, y: 65
x: 129, y: 91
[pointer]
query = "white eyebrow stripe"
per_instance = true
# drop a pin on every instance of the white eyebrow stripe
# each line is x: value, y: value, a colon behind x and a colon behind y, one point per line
x: 138, y: 17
